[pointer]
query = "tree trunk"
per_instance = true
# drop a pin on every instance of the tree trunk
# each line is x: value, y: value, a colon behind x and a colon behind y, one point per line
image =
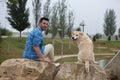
x: 62, y: 42
x: 69, y: 43
x: 20, y: 36
x: 109, y: 38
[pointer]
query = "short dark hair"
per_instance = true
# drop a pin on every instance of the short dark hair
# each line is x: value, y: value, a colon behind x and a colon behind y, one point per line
x: 43, y: 18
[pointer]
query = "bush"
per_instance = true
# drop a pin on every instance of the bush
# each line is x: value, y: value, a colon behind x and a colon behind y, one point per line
x: 0, y: 38
x: 0, y: 41
x: 5, y: 32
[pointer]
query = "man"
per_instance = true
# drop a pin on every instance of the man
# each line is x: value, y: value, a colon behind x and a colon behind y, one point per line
x: 34, y: 48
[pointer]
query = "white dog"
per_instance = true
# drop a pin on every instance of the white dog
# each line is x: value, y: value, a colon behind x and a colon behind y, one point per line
x: 85, y: 45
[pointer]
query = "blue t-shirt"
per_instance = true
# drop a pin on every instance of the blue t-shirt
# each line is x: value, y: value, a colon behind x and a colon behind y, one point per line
x: 34, y: 38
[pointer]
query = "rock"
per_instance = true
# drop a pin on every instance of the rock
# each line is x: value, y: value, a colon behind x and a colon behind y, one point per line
x: 113, y: 68
x: 75, y: 71
x: 24, y: 69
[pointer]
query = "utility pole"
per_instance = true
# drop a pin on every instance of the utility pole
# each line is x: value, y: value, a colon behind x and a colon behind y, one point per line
x: 82, y: 24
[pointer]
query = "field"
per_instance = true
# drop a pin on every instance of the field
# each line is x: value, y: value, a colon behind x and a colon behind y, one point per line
x: 13, y: 47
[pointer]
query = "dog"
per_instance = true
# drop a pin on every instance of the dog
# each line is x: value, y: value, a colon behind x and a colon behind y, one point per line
x: 85, y: 46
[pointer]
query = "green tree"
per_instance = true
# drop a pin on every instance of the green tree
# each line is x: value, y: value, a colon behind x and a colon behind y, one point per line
x: 78, y: 29
x: 0, y: 39
x: 97, y: 36
x: 119, y: 32
x: 70, y: 23
x: 109, y: 23
x: 5, y: 32
x: 18, y: 15
x: 54, y: 21
x: 46, y: 12
x: 62, y: 17
x: 13, y: 1
x: 70, y: 26
x: 62, y: 9
x: 36, y: 10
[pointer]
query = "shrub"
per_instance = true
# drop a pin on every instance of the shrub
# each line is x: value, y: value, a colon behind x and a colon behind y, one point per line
x: 5, y: 32
x: 0, y: 41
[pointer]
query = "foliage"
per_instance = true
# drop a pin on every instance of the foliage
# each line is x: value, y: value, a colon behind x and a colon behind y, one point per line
x: 78, y: 29
x: 62, y: 17
x: 97, y: 36
x: 46, y: 12
x: 109, y: 23
x: 5, y: 32
x: 0, y: 40
x: 94, y: 38
x: 18, y: 15
x: 54, y: 21
x: 13, y: 1
x: 119, y: 32
x: 47, y: 9
x: 70, y: 23
x: 116, y: 37
x: 36, y: 10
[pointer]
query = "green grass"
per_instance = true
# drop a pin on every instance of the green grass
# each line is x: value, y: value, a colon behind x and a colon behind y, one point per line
x: 74, y: 59
x: 13, y: 47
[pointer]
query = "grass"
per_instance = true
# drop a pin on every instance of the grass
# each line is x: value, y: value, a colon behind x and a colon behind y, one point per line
x: 74, y: 59
x: 13, y: 47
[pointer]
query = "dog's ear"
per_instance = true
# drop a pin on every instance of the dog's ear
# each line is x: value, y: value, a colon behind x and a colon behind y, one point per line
x: 81, y: 33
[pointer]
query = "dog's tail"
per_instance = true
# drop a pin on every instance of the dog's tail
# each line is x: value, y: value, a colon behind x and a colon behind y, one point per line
x: 87, y: 66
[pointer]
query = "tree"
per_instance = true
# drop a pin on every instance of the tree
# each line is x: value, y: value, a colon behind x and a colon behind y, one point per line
x: 62, y: 21
x: 0, y: 39
x: 97, y: 36
x: 36, y: 10
x: 70, y: 25
x: 46, y: 12
x: 78, y: 29
x: 62, y: 18
x: 13, y: 1
x: 119, y: 32
x: 18, y: 15
x: 54, y: 20
x: 109, y: 23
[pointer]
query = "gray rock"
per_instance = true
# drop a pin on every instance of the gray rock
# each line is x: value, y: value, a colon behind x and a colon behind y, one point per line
x: 75, y: 71
x: 24, y: 69
x: 113, y: 68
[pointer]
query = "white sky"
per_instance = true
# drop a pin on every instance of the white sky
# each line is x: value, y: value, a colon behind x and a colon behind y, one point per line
x: 91, y: 11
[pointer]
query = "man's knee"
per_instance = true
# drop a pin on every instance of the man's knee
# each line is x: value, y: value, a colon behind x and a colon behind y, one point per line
x: 50, y: 46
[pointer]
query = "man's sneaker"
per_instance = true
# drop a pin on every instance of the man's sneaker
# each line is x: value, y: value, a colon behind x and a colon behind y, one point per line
x: 57, y: 64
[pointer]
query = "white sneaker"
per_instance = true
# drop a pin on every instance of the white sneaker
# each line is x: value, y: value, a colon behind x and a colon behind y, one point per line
x: 57, y: 64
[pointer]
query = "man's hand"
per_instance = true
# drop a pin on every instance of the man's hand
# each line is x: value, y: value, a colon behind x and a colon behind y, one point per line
x: 47, y: 60
x: 42, y: 57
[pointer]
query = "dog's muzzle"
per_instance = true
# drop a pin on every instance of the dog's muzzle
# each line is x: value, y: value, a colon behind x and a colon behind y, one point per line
x: 73, y: 38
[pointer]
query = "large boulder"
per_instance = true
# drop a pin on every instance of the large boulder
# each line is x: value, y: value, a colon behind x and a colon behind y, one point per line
x: 113, y: 68
x: 24, y: 69
x: 75, y: 71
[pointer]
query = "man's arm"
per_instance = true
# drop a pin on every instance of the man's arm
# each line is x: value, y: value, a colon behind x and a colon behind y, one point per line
x: 38, y: 51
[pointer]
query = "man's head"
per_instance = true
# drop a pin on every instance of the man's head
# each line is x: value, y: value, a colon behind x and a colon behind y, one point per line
x: 43, y: 23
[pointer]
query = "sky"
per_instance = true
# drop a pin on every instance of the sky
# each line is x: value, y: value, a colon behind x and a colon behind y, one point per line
x: 90, y: 11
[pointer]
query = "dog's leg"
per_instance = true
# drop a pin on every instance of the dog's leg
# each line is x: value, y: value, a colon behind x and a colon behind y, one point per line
x: 87, y: 66
x: 79, y: 59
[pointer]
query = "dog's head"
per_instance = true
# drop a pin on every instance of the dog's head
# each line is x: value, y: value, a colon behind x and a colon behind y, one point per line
x: 76, y: 35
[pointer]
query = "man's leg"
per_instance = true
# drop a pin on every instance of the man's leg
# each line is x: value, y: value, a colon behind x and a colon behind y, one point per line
x: 49, y: 51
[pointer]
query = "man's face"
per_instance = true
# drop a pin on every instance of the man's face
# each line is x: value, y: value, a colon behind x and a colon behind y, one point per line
x: 43, y: 24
